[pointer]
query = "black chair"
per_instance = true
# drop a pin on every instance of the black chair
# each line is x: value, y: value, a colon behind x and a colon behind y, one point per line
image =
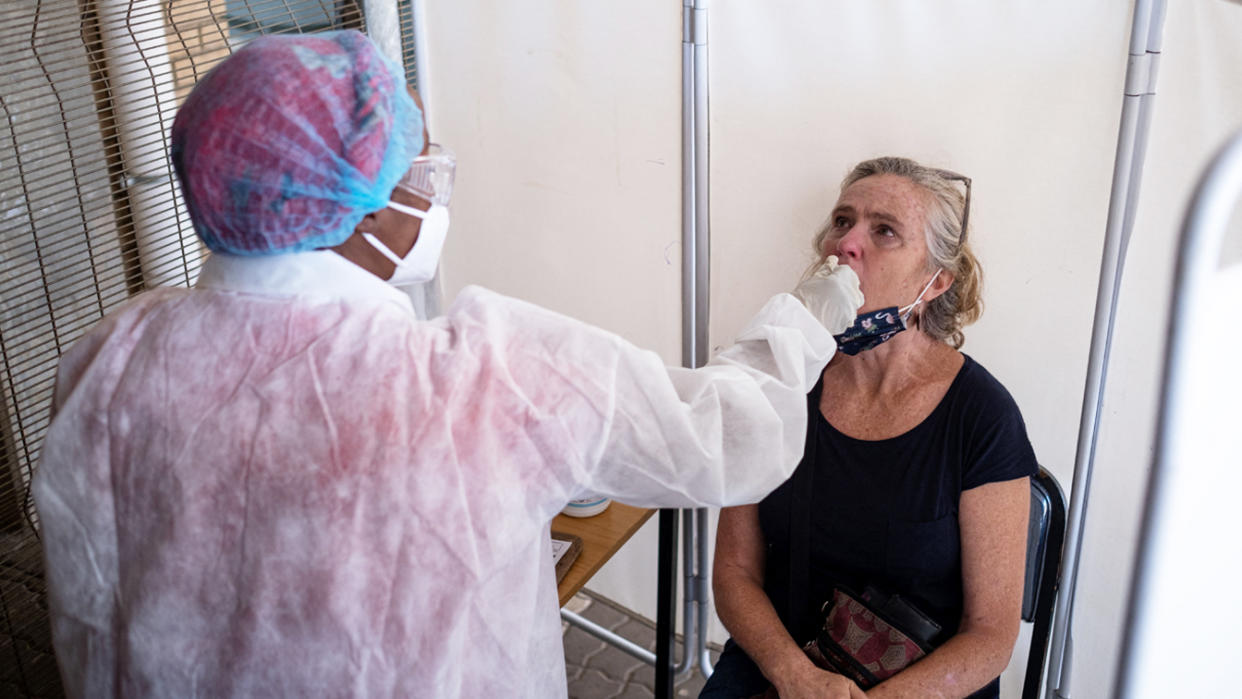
x: 1045, y: 537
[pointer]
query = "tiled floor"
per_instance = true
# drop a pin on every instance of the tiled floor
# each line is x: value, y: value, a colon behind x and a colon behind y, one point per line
x: 598, y: 670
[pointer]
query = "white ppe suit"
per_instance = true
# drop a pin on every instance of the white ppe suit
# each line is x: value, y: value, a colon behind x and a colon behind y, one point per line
x: 281, y: 483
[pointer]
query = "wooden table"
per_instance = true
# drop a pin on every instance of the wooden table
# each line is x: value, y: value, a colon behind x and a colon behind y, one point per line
x: 601, y: 536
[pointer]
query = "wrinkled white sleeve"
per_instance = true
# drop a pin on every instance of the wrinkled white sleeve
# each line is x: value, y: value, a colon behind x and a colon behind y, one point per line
x: 73, y: 495
x: 615, y: 421
x: 725, y: 434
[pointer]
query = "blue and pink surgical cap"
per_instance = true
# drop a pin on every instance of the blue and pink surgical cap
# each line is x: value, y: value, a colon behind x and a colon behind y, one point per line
x: 289, y: 142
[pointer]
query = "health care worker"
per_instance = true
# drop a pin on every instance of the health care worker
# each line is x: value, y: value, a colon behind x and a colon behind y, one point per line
x: 280, y: 482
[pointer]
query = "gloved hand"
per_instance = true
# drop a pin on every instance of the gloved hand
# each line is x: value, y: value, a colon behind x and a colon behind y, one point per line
x: 832, y: 294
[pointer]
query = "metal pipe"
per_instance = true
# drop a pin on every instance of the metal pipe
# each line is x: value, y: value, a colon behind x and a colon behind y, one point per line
x: 702, y: 232
x: 1142, y: 659
x: 696, y: 268
x: 144, y: 110
x: 689, y: 608
x: 702, y: 210
x: 608, y: 636
x: 1145, y: 42
x: 666, y: 565
x: 705, y: 659
x: 1145, y: 87
x: 689, y: 242
x: 689, y: 344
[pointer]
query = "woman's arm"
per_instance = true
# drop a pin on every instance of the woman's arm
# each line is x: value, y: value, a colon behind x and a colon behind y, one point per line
x: 746, y: 611
x: 993, y: 521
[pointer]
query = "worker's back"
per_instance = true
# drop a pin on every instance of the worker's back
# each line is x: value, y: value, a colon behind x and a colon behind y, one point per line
x: 247, y: 495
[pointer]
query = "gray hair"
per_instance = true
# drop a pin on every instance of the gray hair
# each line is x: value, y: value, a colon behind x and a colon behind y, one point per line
x: 944, y: 316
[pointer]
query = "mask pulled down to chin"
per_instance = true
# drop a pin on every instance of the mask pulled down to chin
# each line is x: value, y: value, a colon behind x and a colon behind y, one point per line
x: 873, y: 328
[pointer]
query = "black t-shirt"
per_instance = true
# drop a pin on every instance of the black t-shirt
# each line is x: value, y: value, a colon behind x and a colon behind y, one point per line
x: 884, y: 512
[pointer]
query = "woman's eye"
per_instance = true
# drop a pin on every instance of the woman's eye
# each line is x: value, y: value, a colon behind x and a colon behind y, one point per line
x: 840, y: 222
x: 885, y: 232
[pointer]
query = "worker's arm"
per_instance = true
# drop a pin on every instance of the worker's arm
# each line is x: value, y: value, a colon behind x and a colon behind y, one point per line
x: 725, y: 434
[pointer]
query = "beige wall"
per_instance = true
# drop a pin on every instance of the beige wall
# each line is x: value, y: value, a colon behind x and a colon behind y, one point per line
x: 566, y: 119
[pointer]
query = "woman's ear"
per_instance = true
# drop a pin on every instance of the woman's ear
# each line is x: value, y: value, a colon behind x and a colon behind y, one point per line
x: 939, y: 285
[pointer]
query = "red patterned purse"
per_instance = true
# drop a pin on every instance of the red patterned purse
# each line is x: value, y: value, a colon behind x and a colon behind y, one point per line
x: 871, y: 637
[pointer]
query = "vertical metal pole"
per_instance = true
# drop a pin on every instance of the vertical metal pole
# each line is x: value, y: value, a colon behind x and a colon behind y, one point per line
x: 1142, y: 667
x: 666, y: 571
x: 695, y: 257
x: 689, y: 605
x: 695, y: 267
x: 701, y: 583
x: 702, y: 259
x: 690, y: 344
x: 665, y: 603
x: 702, y: 211
x: 1145, y: 41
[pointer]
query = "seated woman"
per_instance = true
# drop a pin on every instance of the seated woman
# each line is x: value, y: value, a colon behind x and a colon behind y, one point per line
x: 915, y: 475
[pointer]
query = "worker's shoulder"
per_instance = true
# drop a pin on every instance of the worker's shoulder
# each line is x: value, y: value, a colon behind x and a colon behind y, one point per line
x: 129, y: 314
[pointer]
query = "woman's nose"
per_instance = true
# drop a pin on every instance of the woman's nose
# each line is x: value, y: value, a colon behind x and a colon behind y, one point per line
x: 849, y: 246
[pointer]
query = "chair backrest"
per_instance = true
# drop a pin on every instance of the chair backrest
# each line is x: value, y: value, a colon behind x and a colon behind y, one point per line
x: 1045, y: 537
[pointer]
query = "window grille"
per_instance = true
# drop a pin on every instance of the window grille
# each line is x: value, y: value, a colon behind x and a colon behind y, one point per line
x: 90, y: 215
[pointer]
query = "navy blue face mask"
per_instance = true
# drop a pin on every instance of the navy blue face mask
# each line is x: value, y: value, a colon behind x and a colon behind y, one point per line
x: 874, y: 328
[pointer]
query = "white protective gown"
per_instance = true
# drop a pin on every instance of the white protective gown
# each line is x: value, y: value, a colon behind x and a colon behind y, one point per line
x: 281, y: 483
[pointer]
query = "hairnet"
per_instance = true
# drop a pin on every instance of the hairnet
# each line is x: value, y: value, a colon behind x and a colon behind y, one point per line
x: 289, y: 142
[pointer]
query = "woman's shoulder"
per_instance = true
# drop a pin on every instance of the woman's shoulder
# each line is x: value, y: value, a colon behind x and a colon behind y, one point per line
x: 981, y: 389
x: 997, y: 446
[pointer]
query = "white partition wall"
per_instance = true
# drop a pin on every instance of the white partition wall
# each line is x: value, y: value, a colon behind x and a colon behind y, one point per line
x: 1023, y: 99
x: 1199, y: 104
x: 566, y: 119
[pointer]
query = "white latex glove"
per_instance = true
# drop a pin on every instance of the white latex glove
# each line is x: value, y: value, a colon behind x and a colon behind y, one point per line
x: 832, y: 294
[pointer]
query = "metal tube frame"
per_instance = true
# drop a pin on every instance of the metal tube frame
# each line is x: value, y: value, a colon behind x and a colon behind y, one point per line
x: 1202, y: 236
x: 1141, y: 70
x: 608, y: 636
x: 695, y: 268
x: 696, y: 265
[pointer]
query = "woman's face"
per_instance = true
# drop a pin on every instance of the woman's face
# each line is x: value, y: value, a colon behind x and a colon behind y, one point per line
x: 877, y: 228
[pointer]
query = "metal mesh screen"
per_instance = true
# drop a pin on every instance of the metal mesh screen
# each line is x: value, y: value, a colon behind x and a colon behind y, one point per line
x: 90, y: 215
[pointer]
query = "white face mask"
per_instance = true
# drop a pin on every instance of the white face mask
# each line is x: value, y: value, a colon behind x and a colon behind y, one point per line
x: 419, y: 264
